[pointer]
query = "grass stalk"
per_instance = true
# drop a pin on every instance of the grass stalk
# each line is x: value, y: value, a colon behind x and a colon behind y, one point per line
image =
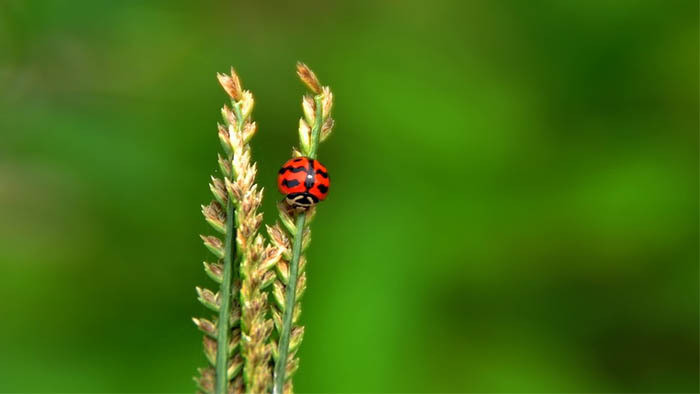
x: 295, y: 284
x: 229, y: 214
x: 256, y: 261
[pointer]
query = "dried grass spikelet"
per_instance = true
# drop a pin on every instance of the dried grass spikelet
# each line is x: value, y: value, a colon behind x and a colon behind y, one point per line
x: 315, y: 126
x: 235, y: 206
x: 256, y: 260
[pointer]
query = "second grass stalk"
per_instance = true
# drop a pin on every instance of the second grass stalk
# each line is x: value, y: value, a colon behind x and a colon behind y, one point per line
x: 310, y: 150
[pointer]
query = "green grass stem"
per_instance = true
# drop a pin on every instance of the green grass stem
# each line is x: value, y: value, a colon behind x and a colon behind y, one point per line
x: 290, y: 296
x: 225, y: 301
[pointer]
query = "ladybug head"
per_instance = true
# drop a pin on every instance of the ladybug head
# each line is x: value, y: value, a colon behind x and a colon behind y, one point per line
x: 301, y: 201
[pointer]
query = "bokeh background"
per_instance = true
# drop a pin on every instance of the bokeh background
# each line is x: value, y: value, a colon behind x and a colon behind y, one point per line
x: 514, y: 204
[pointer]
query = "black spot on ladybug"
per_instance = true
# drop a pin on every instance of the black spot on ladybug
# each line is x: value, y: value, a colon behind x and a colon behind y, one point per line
x: 298, y: 159
x: 322, y: 188
x: 322, y: 173
x: 290, y: 182
x: 292, y: 169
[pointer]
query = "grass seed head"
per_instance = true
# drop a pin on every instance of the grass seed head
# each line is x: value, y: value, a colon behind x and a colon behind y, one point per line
x: 308, y: 77
x: 231, y: 84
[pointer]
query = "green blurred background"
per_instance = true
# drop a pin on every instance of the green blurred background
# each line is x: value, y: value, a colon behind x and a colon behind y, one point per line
x: 514, y: 204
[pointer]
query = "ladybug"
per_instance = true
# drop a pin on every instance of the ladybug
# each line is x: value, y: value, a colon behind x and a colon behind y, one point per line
x: 304, y: 181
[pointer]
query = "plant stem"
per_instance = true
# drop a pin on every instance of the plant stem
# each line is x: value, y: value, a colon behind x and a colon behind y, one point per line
x: 290, y: 296
x: 227, y: 285
x: 316, y: 130
x: 225, y: 301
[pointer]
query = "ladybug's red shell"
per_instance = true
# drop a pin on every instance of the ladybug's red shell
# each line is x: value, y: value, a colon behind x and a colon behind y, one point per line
x: 304, y: 181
